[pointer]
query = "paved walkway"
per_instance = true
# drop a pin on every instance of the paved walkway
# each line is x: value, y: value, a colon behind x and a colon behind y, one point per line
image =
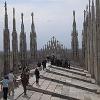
x: 59, y: 84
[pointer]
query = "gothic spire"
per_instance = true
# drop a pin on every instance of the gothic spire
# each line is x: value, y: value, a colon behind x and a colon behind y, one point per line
x: 74, y: 42
x: 6, y: 41
x: 14, y: 22
x: 14, y: 45
x: 33, y: 40
x: 6, y: 17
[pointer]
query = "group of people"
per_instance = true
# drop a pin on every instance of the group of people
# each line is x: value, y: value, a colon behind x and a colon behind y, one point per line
x: 60, y: 62
x: 7, y: 85
x: 9, y: 80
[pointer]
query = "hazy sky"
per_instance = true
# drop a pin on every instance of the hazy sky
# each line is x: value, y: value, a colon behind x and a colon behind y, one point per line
x: 51, y: 18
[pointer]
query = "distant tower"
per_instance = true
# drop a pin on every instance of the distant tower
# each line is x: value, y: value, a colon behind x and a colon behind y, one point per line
x: 14, y: 45
x: 33, y: 41
x: 23, y: 46
x: 6, y: 40
x: 74, y: 43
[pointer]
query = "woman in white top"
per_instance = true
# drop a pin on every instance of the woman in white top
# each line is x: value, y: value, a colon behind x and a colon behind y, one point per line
x: 11, y: 83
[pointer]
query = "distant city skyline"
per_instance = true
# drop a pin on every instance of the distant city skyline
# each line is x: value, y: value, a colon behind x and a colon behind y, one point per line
x: 51, y: 18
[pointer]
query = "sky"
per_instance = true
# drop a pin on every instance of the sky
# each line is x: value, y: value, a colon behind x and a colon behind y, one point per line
x: 51, y: 18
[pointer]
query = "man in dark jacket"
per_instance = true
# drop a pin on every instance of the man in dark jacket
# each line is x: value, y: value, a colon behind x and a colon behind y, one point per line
x: 44, y: 64
x: 24, y: 80
x: 37, y: 75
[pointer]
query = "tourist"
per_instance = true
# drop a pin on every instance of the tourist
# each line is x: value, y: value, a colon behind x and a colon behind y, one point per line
x: 44, y: 64
x: 39, y: 64
x: 11, y: 82
x: 69, y: 64
x: 37, y: 75
x: 4, y: 87
x: 66, y: 63
x: 24, y: 80
x: 27, y: 73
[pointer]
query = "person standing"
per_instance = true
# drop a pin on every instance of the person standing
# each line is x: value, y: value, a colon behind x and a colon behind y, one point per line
x: 11, y: 82
x: 24, y: 80
x: 4, y: 87
x: 69, y: 64
x: 27, y: 73
x: 37, y: 75
x: 44, y: 64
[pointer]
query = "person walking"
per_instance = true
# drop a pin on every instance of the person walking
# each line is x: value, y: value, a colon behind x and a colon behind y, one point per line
x: 11, y: 82
x: 37, y: 75
x: 24, y: 80
x: 4, y: 87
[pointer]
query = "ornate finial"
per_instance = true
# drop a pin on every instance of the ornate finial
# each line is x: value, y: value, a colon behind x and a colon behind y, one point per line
x: 74, y: 14
x: 32, y: 16
x: 22, y: 17
x: 6, y: 16
x: 13, y: 13
x: 5, y: 6
x: 14, y: 24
